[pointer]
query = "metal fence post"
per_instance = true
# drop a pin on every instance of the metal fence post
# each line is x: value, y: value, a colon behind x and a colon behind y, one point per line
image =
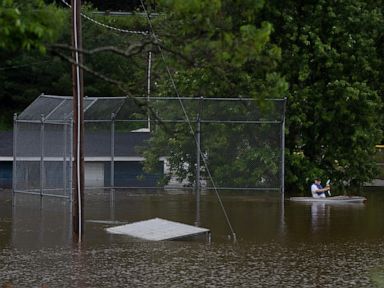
x: 65, y: 131
x: 14, y: 167
x: 71, y: 160
x: 149, y: 87
x: 198, y: 152
x: 42, y: 155
x: 282, y: 181
x: 113, y: 116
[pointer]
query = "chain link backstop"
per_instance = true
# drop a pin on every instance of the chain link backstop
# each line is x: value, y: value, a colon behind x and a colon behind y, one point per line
x: 221, y: 143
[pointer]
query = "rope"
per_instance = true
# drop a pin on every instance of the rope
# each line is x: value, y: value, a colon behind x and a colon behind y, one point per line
x: 189, y: 122
x: 108, y: 26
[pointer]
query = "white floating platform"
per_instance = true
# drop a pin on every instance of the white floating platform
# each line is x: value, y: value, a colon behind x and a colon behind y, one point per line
x: 158, y: 229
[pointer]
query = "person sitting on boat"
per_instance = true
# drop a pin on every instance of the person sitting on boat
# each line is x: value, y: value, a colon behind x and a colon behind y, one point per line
x: 317, y: 190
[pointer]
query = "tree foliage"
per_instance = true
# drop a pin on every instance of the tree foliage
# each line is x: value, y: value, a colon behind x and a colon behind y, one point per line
x: 330, y: 54
x: 219, y: 49
x: 27, y: 25
x: 226, y: 48
x: 332, y: 58
x: 25, y: 74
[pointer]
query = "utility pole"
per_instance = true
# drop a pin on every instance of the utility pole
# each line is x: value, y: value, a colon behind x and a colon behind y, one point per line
x: 78, y: 126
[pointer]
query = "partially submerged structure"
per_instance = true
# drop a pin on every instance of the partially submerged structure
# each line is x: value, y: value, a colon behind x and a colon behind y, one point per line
x: 249, y: 153
x: 158, y: 229
x: 6, y: 159
x: 43, y: 146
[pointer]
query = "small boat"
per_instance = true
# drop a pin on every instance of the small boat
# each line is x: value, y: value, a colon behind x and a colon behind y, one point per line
x: 333, y: 200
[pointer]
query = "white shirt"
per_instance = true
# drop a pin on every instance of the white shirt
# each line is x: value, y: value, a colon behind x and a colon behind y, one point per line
x: 314, y: 194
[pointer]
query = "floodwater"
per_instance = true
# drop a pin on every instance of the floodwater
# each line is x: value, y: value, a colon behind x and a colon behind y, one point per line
x: 278, y: 244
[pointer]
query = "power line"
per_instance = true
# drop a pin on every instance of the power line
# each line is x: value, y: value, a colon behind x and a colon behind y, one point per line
x: 145, y: 33
x: 122, y: 13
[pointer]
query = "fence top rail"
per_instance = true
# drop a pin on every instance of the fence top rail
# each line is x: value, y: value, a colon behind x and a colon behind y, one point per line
x: 68, y: 122
x: 59, y: 108
x: 199, y: 98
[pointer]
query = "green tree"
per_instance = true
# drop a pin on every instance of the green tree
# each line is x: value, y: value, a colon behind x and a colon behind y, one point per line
x: 332, y: 58
x: 25, y: 74
x: 26, y: 27
x: 218, y: 48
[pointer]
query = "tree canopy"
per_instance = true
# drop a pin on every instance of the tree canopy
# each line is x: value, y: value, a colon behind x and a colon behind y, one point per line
x: 218, y: 50
x: 28, y: 25
x: 332, y: 58
x: 324, y: 56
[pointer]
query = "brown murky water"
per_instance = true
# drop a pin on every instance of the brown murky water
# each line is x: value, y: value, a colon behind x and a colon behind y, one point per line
x: 279, y: 244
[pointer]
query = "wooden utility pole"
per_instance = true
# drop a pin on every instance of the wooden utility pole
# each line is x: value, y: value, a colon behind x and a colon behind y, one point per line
x: 78, y: 127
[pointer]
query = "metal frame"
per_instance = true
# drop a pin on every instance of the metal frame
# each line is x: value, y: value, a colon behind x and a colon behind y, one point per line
x: 112, y: 119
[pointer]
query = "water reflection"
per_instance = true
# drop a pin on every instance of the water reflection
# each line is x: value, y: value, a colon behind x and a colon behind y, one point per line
x: 322, y: 213
x: 40, y: 222
x: 329, y: 221
x: 279, y: 244
x: 46, y: 222
x: 5, y: 219
x: 319, y: 215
